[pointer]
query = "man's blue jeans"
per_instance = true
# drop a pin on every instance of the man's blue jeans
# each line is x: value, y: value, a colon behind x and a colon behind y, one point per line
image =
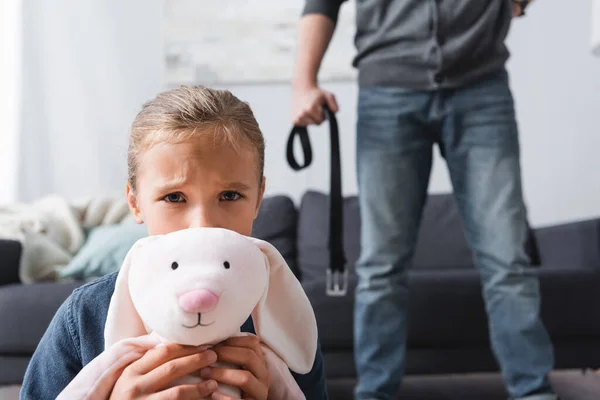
x: 476, y: 130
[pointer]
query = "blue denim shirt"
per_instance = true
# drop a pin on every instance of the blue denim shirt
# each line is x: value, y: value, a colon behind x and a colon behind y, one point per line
x: 76, y: 336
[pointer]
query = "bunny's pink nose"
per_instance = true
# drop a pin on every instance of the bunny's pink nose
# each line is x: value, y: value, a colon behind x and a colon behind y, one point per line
x: 198, y: 301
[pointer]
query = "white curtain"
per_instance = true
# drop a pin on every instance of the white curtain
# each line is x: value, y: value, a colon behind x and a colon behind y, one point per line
x: 87, y: 68
x: 10, y: 28
x: 596, y: 27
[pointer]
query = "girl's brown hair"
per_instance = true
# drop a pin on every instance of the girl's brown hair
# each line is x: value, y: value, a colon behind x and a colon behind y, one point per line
x: 186, y: 113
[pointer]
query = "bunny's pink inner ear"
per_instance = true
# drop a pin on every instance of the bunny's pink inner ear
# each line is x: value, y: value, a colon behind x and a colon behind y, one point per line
x: 123, y: 320
x: 284, y: 319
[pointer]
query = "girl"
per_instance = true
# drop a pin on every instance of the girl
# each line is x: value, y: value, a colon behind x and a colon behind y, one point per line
x: 196, y: 159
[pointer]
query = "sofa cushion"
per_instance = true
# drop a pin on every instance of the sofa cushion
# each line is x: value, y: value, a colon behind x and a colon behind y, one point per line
x: 313, y: 233
x: 441, y: 243
x: 10, y: 255
x: 12, y: 371
x: 276, y: 223
x: 574, y: 244
x: 104, y: 251
x: 450, y: 301
x: 26, y: 312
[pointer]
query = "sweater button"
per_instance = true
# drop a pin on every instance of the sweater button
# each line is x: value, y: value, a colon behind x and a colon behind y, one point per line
x: 438, y: 78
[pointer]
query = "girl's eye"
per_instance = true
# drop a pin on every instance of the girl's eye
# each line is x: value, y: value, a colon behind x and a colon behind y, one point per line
x: 174, y: 198
x: 230, y: 196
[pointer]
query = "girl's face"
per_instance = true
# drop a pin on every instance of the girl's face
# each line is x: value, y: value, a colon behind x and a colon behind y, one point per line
x: 184, y: 185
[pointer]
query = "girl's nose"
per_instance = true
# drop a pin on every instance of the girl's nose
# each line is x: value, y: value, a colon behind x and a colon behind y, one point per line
x: 198, y: 301
x: 202, y: 218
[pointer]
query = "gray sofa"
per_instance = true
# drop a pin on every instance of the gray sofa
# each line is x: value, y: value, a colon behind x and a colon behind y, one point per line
x: 447, y: 328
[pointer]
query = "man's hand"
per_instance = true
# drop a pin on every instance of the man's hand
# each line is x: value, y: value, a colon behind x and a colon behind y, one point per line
x: 314, y: 34
x: 518, y: 10
x: 308, y: 105
x: 150, y: 376
x: 253, y: 379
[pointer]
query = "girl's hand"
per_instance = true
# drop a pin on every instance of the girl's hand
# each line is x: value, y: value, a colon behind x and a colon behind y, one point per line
x: 151, y: 375
x: 252, y: 379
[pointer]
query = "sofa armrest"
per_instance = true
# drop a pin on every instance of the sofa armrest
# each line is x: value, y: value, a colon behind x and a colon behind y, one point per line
x: 572, y: 245
x: 10, y: 256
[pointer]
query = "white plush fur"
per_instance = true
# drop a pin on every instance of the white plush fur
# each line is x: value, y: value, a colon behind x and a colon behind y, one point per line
x: 154, y: 287
x: 258, y: 282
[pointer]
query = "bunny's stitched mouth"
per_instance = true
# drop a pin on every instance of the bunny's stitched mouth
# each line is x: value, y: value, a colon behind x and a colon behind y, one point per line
x: 199, y: 323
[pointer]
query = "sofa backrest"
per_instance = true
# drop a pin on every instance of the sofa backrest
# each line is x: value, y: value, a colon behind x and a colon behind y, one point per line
x: 10, y: 256
x: 301, y: 235
x: 441, y: 242
x: 277, y: 223
x: 570, y: 245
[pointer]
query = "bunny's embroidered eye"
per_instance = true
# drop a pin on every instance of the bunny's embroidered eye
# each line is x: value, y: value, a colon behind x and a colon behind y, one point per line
x: 226, y: 264
x: 174, y: 265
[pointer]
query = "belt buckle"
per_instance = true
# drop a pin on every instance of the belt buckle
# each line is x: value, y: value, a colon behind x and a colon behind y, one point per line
x: 337, y: 283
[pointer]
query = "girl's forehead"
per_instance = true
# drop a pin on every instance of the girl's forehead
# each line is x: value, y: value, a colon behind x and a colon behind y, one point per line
x: 175, y: 163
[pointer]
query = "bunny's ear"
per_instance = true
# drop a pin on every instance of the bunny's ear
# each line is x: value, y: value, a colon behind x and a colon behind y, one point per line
x: 284, y: 319
x: 123, y: 320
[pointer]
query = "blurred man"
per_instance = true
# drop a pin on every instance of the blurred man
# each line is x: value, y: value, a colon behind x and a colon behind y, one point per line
x: 432, y: 72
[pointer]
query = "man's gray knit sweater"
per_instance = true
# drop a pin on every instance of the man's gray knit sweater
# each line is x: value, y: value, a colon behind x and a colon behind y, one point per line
x: 425, y: 44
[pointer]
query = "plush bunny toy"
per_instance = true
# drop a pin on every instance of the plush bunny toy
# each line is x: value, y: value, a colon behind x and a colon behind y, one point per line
x: 197, y: 287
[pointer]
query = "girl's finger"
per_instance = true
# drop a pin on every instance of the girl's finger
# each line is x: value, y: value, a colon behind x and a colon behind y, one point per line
x: 163, y: 375
x: 239, y: 378
x: 248, y: 340
x: 161, y: 354
x: 247, y: 358
x: 219, y: 396
x: 187, y: 392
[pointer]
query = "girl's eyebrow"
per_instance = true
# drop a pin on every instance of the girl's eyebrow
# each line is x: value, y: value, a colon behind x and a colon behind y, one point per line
x: 173, y: 184
x: 169, y: 185
x: 236, y: 186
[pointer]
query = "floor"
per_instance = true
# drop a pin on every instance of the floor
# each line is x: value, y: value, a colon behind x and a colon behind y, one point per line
x: 570, y: 385
x: 586, y: 388
x: 9, y: 392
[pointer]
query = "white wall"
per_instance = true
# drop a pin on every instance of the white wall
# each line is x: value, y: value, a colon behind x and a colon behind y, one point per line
x: 106, y: 64
x: 556, y: 84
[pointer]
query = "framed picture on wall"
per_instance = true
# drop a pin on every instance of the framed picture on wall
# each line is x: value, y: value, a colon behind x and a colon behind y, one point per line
x: 216, y: 42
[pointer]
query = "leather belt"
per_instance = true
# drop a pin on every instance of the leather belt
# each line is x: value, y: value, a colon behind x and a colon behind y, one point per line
x: 337, y: 274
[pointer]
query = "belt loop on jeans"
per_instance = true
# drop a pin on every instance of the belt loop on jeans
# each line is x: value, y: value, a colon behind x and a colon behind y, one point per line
x: 337, y: 274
